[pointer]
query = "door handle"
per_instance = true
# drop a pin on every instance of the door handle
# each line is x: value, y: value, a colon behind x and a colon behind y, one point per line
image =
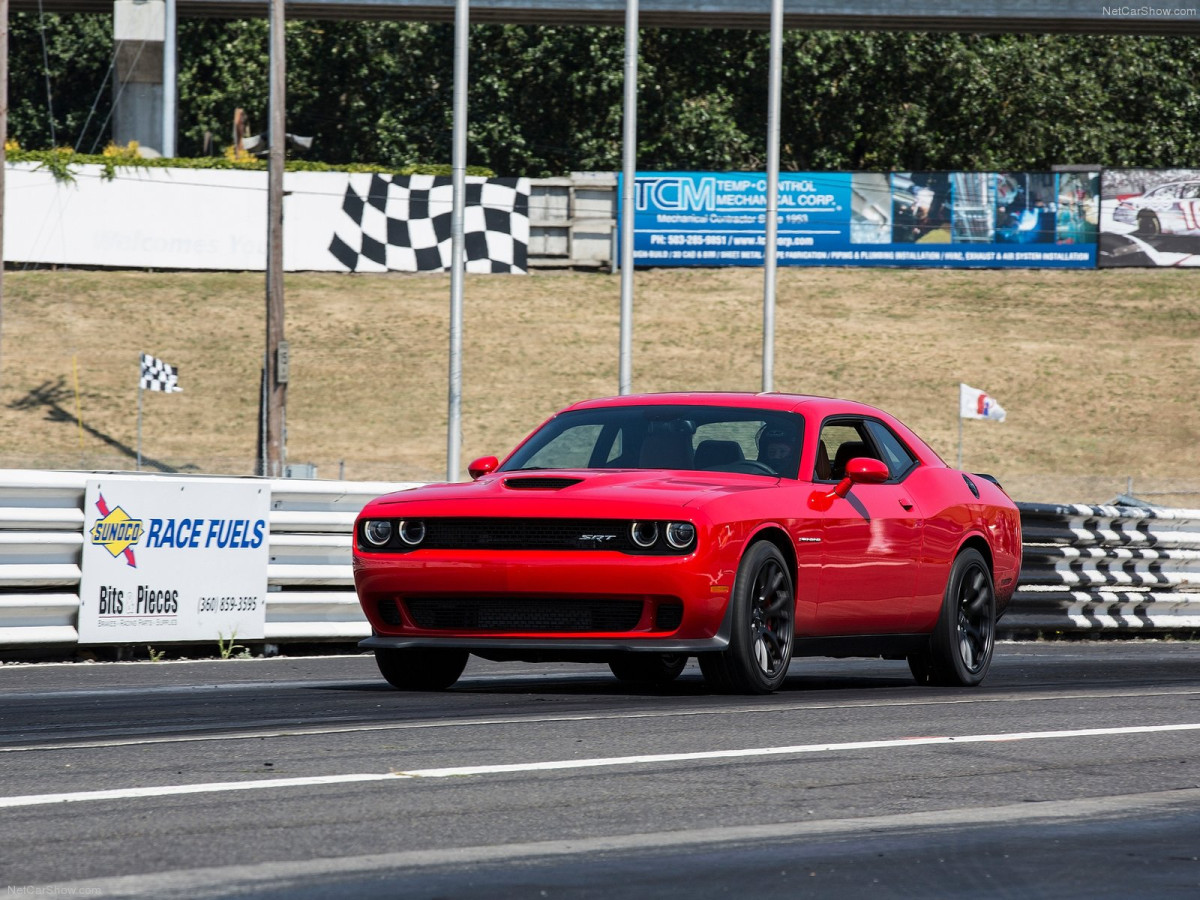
x: 906, y: 503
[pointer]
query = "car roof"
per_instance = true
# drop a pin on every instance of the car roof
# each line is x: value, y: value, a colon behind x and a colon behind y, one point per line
x: 771, y: 400
x: 814, y: 408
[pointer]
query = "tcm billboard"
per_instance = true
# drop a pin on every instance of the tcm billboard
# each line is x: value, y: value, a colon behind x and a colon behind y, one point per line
x: 952, y: 219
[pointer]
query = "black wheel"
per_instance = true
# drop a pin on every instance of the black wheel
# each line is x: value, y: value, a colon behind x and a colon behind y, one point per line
x: 1148, y: 225
x: 648, y: 668
x: 960, y: 648
x: 420, y: 669
x: 764, y: 614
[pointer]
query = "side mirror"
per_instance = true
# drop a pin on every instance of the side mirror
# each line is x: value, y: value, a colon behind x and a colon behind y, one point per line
x: 860, y: 470
x: 480, y: 467
x: 864, y: 470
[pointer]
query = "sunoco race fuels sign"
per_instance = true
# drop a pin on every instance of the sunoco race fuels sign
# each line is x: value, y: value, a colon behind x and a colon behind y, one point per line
x: 173, y: 561
x: 953, y: 219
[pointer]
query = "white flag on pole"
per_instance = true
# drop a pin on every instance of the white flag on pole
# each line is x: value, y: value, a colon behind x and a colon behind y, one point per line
x: 158, y: 376
x: 976, y: 404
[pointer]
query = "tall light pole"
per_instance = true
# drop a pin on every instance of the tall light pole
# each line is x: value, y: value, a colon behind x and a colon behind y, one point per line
x: 275, y: 376
x: 459, y: 168
x: 629, y: 176
x: 170, y: 78
x: 772, y: 242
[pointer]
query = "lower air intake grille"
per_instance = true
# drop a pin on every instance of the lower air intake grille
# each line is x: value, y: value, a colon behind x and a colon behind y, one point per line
x: 668, y: 617
x: 536, y: 616
x: 389, y: 612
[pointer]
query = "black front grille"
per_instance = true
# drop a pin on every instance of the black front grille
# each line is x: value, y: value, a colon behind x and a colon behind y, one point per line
x: 527, y: 534
x: 524, y: 614
x: 477, y: 533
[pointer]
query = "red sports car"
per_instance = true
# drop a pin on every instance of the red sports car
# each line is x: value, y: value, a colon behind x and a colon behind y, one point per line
x: 741, y: 529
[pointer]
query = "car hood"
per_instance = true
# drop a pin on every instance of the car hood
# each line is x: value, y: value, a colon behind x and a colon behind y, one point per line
x: 617, y: 492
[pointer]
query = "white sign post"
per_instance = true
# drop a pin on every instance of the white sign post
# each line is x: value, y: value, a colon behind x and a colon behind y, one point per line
x: 169, y: 560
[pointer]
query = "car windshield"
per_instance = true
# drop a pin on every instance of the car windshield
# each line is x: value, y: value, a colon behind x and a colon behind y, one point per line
x: 695, y: 438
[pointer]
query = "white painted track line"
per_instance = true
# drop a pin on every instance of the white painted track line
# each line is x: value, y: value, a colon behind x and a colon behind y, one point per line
x: 601, y: 762
x: 221, y: 882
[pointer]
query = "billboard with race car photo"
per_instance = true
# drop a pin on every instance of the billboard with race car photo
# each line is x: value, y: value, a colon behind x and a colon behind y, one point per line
x: 941, y: 219
x: 1149, y: 217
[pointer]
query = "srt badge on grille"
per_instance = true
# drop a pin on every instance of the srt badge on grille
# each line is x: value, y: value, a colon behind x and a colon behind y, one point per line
x: 597, y: 538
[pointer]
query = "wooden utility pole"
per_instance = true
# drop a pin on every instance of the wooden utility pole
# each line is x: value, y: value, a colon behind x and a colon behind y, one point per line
x: 275, y: 375
x: 3, y: 141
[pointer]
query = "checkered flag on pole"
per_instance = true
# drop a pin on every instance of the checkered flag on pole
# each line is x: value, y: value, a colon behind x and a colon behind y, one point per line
x: 158, y: 376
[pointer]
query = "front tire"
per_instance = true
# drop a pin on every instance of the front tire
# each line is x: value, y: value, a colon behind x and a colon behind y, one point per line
x: 420, y: 668
x: 648, y: 668
x: 763, y: 623
x: 962, y: 643
x: 1148, y: 225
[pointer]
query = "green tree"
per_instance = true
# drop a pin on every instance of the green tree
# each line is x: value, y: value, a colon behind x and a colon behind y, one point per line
x: 74, y: 110
x: 547, y: 100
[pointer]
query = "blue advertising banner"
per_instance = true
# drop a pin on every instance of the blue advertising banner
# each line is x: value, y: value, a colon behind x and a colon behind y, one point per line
x: 944, y: 219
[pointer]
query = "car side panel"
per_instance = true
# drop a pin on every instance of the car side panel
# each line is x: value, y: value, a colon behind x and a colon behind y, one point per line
x: 955, y: 517
x: 870, y: 559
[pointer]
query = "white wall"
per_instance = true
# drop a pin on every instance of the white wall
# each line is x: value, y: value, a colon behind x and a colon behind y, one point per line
x: 207, y: 219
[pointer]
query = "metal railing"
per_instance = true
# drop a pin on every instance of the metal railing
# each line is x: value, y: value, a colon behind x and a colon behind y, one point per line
x: 1107, y: 569
x: 1086, y: 569
x: 310, y: 588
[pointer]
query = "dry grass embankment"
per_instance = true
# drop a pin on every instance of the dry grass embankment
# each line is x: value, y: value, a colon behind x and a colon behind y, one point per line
x: 1098, y: 370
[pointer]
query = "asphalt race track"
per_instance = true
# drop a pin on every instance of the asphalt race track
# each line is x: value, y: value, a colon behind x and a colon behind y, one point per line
x: 1073, y: 772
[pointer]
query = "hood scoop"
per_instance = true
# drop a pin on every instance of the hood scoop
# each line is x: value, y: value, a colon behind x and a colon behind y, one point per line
x: 540, y: 483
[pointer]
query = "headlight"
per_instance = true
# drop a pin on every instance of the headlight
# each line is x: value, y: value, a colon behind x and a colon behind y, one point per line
x: 377, y: 531
x: 412, y: 531
x: 644, y: 534
x: 680, y: 535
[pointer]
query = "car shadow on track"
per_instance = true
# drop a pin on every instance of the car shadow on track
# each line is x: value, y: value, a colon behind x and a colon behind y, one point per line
x: 598, y: 684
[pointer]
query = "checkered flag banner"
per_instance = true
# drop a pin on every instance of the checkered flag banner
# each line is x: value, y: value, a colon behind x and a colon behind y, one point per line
x: 401, y: 223
x: 158, y: 376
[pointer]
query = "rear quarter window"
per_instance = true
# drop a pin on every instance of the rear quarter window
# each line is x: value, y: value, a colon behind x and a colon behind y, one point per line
x: 900, y: 460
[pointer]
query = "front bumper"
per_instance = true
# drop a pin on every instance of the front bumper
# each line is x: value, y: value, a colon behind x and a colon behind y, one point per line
x: 483, y: 645
x: 679, y: 603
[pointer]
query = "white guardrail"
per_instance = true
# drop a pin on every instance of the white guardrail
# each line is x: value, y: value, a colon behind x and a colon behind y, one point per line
x: 309, y: 582
x: 1087, y: 569
x: 1106, y: 569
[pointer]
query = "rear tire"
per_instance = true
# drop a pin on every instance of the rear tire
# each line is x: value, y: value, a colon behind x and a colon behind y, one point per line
x: 648, y: 668
x: 763, y: 621
x: 961, y: 646
x: 420, y: 668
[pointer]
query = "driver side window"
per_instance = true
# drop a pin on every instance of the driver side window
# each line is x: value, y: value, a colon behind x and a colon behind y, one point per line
x: 840, y: 442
